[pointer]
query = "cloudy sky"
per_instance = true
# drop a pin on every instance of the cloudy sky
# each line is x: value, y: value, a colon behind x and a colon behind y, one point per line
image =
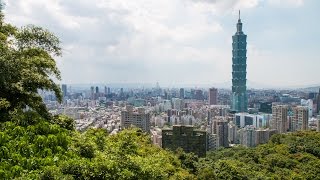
x: 178, y: 41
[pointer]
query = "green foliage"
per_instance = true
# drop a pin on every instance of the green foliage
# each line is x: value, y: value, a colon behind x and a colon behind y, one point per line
x: 286, y: 156
x: 38, y: 149
x: 64, y: 122
x: 26, y: 65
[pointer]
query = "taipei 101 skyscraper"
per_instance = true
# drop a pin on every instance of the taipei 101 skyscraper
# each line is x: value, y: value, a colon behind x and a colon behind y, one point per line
x: 239, y: 70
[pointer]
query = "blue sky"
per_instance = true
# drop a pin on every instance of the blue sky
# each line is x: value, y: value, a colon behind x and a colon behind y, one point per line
x: 178, y: 41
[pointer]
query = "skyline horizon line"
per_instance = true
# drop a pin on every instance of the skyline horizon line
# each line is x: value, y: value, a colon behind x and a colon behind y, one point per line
x: 221, y: 85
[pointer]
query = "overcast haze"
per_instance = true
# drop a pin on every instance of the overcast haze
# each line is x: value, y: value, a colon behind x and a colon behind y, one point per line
x: 178, y: 41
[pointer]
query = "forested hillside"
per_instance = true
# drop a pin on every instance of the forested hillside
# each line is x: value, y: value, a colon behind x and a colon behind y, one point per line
x: 32, y: 147
x: 290, y: 156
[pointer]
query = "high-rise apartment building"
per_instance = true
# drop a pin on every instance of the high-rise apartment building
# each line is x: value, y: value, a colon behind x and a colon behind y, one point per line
x: 64, y: 90
x: 300, y: 118
x: 239, y: 70
x: 185, y: 137
x: 213, y: 96
x: 181, y: 93
x: 92, y: 93
x: 177, y: 103
x: 280, y: 118
x: 248, y: 136
x: 139, y: 118
x: 232, y: 133
x: 222, y: 132
x: 105, y: 90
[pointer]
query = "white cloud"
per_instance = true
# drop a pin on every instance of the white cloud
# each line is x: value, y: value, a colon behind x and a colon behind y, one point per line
x: 286, y: 3
x: 139, y: 40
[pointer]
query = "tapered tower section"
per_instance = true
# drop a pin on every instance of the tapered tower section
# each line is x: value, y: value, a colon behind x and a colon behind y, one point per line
x: 239, y: 70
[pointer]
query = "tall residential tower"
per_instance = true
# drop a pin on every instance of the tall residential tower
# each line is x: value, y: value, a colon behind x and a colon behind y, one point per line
x: 239, y: 70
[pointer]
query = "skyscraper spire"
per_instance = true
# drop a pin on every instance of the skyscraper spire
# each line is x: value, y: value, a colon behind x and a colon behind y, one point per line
x: 239, y: 70
x: 239, y: 25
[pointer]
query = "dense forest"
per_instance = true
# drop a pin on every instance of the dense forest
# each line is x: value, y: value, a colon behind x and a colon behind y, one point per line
x: 36, y: 145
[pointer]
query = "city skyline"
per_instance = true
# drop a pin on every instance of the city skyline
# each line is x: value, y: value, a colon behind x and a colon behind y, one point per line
x: 177, y: 42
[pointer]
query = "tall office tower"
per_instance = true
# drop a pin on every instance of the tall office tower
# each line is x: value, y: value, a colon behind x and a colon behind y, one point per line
x: 300, y: 115
x: 222, y: 132
x: 318, y: 103
x: 92, y: 93
x: 239, y: 70
x: 138, y: 118
x: 185, y: 137
x: 248, y: 136
x: 279, y: 118
x: 181, y: 93
x: 105, y: 90
x: 97, y: 89
x: 192, y: 94
x: 198, y: 95
x: 213, y: 96
x: 64, y: 90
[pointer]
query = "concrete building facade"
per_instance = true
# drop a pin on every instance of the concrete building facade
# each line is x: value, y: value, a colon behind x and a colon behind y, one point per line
x: 187, y: 138
x: 139, y: 118
x: 248, y: 136
x: 280, y: 118
x: 300, y: 118
x: 213, y: 96
x: 222, y: 132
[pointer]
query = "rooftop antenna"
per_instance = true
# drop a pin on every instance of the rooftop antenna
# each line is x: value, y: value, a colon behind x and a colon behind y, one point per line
x: 239, y: 14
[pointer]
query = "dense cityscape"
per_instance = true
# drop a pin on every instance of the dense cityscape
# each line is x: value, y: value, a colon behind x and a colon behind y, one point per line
x: 195, y: 119
x: 129, y: 90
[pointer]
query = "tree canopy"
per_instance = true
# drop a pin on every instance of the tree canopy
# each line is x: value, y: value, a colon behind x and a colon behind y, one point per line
x: 286, y: 156
x: 27, y: 66
x: 33, y: 148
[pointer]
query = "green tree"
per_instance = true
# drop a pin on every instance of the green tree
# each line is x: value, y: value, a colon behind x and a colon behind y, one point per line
x: 27, y: 66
